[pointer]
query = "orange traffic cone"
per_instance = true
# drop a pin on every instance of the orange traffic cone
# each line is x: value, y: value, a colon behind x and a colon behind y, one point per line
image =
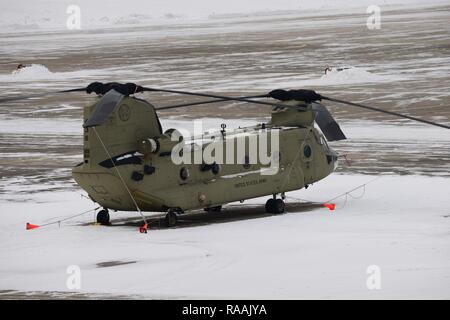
x: 144, y: 228
x: 31, y: 226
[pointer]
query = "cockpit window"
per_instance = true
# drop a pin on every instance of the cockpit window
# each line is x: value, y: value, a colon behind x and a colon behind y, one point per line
x: 104, y: 108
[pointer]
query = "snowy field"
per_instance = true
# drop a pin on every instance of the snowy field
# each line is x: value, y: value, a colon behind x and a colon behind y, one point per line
x: 399, y: 222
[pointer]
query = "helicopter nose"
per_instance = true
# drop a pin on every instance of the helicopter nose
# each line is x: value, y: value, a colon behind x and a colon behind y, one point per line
x: 332, y: 159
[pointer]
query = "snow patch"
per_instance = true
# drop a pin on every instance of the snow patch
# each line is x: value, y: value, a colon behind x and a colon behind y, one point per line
x: 399, y: 224
x: 32, y: 72
x: 354, y: 75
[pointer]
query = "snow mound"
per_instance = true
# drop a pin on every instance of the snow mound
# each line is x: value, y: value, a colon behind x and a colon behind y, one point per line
x: 32, y: 71
x: 351, y: 75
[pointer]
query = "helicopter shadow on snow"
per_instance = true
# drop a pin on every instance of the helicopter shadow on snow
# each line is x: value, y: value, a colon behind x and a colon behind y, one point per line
x: 229, y: 213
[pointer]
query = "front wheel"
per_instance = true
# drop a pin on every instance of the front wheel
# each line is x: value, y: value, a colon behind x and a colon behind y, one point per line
x: 278, y: 206
x: 275, y: 206
x: 270, y: 205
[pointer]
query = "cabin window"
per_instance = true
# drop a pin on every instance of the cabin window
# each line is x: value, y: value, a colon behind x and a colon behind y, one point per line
x: 307, y: 151
x: 215, y: 169
x: 184, y: 173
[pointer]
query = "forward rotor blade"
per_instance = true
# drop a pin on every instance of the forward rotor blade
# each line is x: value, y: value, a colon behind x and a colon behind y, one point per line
x: 38, y: 95
x: 104, y: 107
x: 206, y: 102
x: 327, y: 124
x: 224, y: 98
x: 387, y: 112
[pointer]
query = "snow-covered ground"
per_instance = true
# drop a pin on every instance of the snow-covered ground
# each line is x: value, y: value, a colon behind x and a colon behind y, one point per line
x: 400, y: 224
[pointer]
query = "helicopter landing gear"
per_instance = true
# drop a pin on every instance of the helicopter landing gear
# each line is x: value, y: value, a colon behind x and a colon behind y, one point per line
x: 171, y: 218
x: 275, y: 206
x: 213, y: 209
x: 103, y: 217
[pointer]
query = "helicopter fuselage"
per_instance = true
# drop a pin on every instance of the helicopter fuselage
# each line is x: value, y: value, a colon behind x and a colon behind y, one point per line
x: 129, y: 161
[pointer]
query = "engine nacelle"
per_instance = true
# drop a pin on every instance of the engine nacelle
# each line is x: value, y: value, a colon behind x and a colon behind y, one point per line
x: 163, y: 144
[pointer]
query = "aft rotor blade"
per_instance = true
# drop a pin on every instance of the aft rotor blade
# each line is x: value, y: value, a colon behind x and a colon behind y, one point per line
x: 94, y: 87
x: 387, y: 112
x: 327, y: 124
x: 224, y: 98
x: 104, y: 107
x: 38, y: 95
x: 190, y: 104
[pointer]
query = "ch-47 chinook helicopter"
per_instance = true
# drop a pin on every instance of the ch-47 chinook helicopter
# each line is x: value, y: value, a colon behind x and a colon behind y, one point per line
x: 128, y: 158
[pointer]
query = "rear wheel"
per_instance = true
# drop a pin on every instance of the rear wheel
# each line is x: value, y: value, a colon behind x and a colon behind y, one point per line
x: 171, y: 219
x: 103, y: 217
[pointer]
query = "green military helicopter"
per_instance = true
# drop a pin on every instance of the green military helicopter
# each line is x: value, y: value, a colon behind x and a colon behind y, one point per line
x: 129, y: 162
